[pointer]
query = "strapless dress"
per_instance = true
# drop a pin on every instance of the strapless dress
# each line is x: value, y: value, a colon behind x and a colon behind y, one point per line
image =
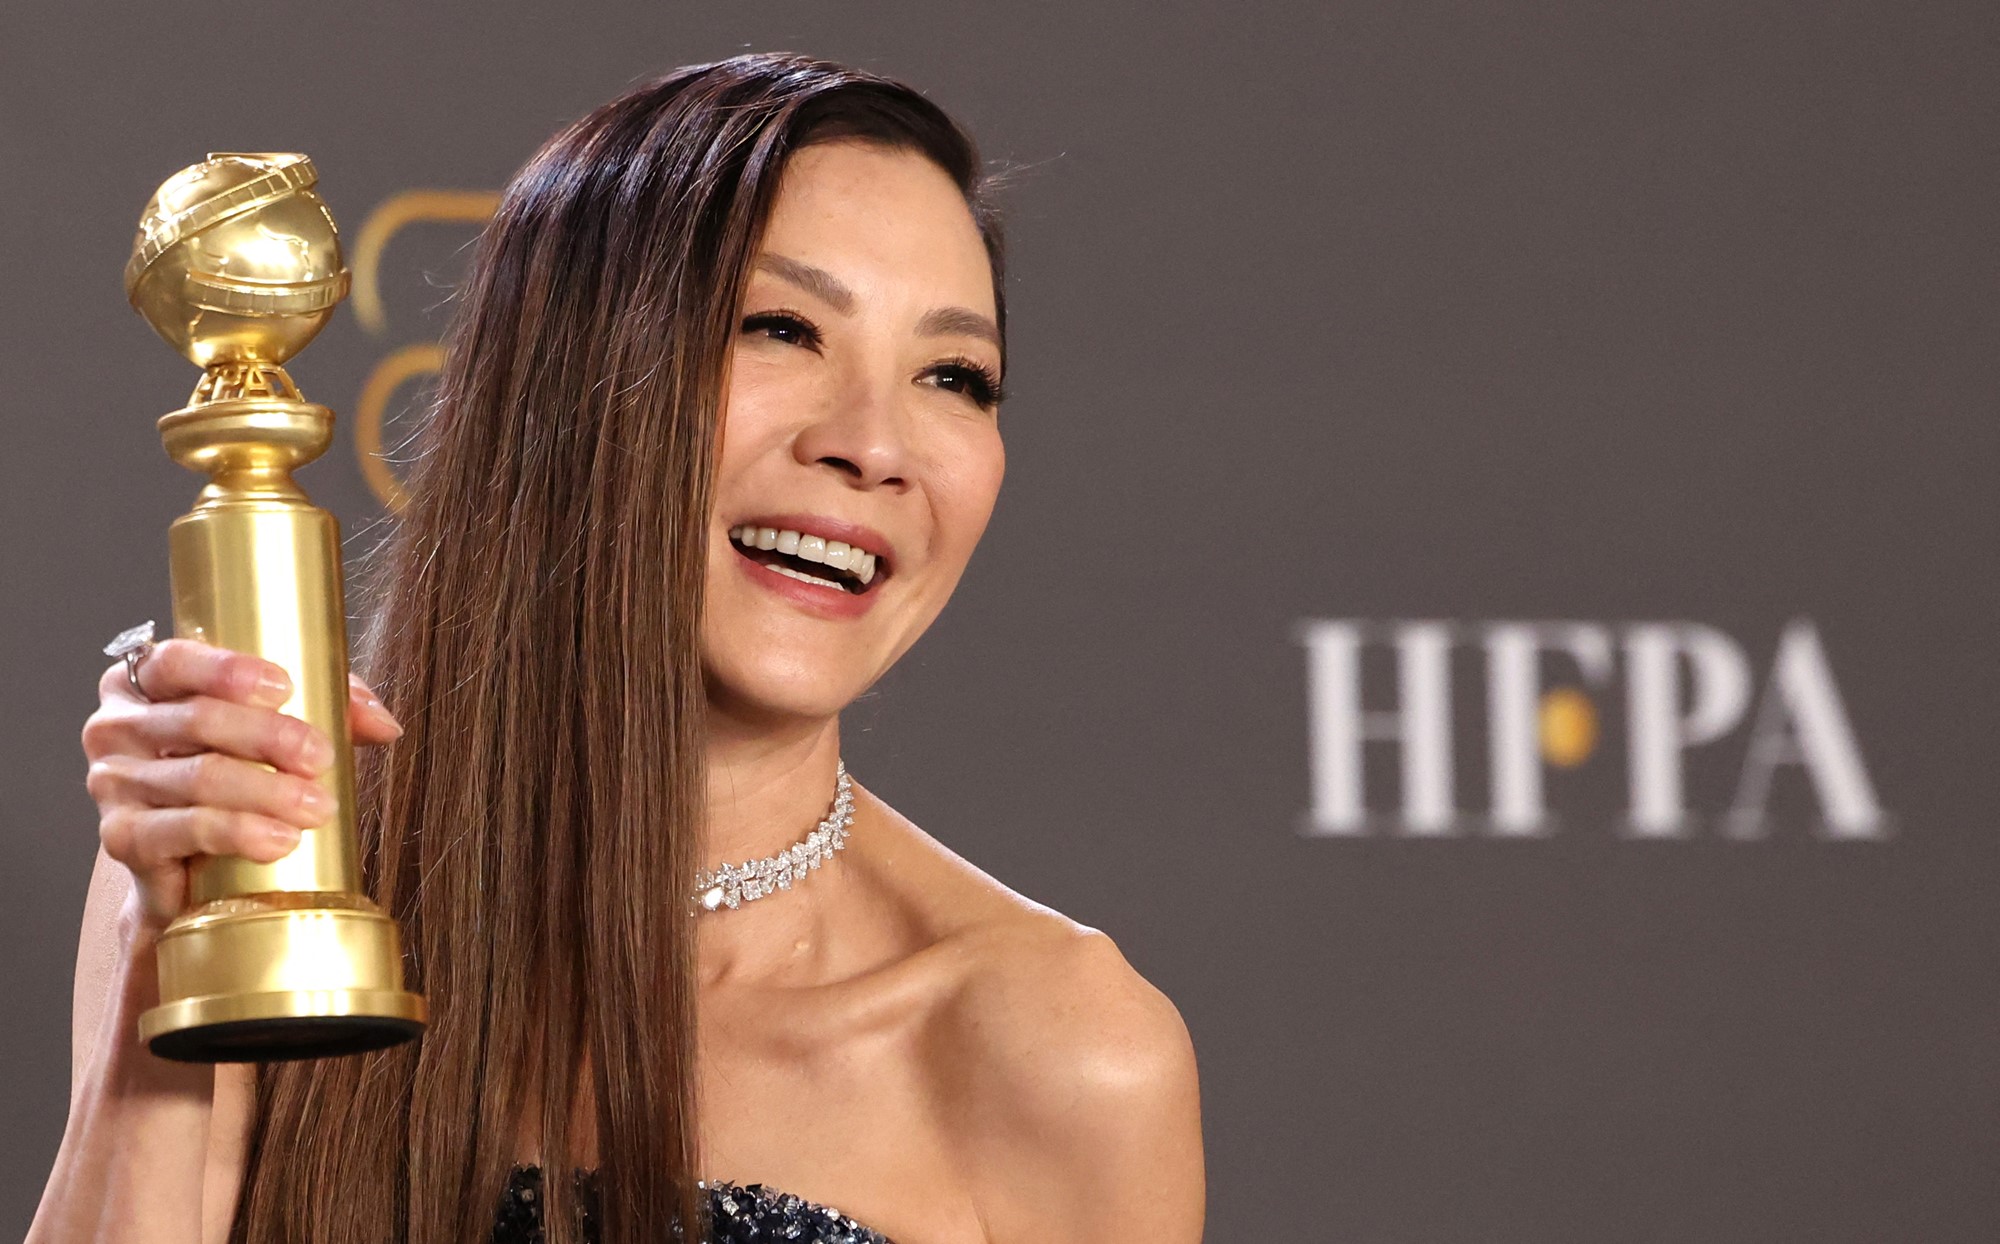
x: 738, y: 1214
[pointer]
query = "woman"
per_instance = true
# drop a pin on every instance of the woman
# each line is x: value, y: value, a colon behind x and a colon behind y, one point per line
x: 715, y: 438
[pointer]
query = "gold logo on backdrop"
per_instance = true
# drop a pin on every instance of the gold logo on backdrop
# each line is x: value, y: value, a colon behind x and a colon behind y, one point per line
x: 411, y: 362
x: 1568, y: 726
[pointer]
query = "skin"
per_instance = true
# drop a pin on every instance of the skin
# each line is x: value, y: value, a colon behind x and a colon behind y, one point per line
x: 900, y: 1035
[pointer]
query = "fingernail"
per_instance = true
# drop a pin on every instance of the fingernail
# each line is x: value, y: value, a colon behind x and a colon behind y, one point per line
x: 273, y: 688
x: 318, y: 752
x: 283, y: 837
x: 381, y: 710
x: 316, y: 801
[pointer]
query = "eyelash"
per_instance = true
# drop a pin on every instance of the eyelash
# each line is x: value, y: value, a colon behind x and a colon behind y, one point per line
x: 981, y: 384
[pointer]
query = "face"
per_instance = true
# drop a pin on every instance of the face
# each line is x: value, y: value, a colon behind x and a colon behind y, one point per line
x: 860, y: 453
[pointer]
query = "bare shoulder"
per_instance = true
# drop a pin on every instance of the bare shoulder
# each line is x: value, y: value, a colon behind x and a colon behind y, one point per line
x: 1085, y: 1110
x: 1070, y: 1080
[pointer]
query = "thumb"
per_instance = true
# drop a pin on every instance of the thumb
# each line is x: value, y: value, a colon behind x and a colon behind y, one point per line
x: 368, y: 719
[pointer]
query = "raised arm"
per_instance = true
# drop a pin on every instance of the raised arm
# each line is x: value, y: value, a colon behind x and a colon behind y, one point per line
x: 153, y: 1150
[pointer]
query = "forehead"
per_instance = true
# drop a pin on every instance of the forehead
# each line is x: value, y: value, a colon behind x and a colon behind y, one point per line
x: 887, y: 221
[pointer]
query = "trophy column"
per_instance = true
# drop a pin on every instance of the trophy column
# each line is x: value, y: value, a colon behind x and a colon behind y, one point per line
x: 238, y: 266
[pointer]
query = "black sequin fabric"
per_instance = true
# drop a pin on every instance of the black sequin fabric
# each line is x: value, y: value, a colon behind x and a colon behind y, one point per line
x: 738, y: 1214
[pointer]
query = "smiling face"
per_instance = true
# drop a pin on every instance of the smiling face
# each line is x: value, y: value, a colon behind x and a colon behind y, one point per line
x: 861, y: 451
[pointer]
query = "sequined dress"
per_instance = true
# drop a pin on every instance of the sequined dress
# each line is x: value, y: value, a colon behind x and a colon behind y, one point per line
x: 738, y: 1214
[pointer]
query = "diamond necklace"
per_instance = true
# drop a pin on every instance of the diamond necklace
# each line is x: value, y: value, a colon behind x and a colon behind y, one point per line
x: 732, y: 885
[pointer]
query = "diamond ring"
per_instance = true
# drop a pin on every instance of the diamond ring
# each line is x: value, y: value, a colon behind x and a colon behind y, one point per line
x: 133, y: 643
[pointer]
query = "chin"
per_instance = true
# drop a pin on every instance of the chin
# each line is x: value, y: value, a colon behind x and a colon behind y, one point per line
x: 773, y: 697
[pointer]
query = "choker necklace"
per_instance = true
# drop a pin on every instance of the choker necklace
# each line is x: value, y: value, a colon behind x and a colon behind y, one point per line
x: 732, y: 885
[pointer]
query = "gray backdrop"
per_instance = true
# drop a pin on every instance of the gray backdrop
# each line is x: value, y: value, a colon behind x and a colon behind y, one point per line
x: 1346, y: 335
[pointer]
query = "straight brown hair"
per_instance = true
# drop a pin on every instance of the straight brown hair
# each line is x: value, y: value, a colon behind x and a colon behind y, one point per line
x: 535, y: 625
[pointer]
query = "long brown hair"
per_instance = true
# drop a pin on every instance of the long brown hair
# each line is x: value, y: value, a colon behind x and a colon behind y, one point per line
x: 535, y: 624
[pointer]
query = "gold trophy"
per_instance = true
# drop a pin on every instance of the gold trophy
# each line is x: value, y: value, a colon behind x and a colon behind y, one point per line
x: 237, y: 264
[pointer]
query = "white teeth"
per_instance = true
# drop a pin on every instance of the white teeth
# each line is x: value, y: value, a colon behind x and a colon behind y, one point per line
x: 859, y: 564
x: 803, y: 577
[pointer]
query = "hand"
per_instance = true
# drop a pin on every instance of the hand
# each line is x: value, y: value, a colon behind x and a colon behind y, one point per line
x: 183, y: 775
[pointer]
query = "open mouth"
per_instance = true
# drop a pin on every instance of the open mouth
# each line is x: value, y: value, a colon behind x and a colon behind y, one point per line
x: 808, y: 558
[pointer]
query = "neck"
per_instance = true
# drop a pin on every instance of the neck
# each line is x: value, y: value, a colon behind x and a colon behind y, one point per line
x: 767, y: 788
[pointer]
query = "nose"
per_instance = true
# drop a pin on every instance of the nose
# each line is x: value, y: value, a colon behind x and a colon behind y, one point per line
x: 861, y: 434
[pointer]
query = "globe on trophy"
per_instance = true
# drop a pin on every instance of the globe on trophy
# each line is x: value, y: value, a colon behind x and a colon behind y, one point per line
x: 238, y: 266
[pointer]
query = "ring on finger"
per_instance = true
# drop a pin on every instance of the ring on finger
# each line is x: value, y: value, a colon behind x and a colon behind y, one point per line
x: 133, y: 644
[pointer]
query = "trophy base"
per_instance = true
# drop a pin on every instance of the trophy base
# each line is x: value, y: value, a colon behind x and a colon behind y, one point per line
x: 197, y: 1031
x: 276, y: 976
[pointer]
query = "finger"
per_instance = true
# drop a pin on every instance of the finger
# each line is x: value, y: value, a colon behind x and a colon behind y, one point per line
x: 182, y: 667
x: 145, y: 839
x: 205, y: 724
x: 210, y: 779
x: 109, y: 730
x: 369, y: 720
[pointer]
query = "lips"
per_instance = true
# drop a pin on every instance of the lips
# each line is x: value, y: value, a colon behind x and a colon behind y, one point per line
x: 827, y: 566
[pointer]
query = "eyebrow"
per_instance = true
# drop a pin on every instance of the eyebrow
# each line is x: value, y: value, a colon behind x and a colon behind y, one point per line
x: 818, y: 282
x: 828, y: 288
x: 957, y: 322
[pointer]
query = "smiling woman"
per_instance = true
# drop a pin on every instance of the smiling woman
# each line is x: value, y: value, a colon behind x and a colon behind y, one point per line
x: 862, y: 414
x: 717, y: 433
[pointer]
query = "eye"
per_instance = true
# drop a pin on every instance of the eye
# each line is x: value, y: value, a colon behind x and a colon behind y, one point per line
x: 974, y: 380
x: 786, y: 326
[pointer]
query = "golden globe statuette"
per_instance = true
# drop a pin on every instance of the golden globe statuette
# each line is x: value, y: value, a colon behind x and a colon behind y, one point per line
x: 237, y: 264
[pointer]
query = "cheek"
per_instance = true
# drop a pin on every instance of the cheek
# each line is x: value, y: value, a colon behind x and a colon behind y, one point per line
x: 968, y: 486
x: 754, y: 403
